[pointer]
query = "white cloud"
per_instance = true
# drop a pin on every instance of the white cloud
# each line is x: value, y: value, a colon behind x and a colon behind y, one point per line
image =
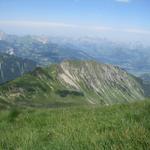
x: 46, y: 26
x: 36, y: 24
x: 50, y: 25
x: 137, y: 31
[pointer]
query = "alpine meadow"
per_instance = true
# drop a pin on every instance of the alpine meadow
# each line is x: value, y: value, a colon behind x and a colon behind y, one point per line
x: 74, y: 75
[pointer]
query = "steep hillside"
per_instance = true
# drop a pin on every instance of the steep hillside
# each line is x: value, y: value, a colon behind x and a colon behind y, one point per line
x: 71, y: 83
x: 12, y: 67
x: 101, y: 83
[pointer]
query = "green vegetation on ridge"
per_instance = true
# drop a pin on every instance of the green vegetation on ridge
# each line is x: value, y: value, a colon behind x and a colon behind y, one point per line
x: 71, y: 83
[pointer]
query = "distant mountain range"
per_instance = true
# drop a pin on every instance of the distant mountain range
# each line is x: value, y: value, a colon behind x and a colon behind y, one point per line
x: 133, y: 57
x: 42, y: 53
x: 72, y: 83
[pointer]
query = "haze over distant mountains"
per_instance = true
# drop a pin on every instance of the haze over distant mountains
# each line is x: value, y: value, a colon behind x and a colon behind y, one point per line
x: 133, y: 57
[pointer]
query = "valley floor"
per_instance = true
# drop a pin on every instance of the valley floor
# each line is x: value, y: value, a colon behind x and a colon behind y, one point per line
x: 118, y: 127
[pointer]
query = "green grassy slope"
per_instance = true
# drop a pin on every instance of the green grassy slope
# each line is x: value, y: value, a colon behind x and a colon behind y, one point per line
x: 39, y: 89
x: 117, y: 127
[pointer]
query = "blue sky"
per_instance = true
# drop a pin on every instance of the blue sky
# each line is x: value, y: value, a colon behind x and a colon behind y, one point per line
x: 96, y: 17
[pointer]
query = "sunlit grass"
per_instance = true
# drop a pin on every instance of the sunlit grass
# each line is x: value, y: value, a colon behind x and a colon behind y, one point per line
x: 118, y: 127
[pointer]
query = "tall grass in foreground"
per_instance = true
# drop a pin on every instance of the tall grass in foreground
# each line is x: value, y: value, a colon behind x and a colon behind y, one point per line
x: 118, y: 127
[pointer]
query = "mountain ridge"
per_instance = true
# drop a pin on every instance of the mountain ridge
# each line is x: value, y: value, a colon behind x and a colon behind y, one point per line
x: 73, y: 83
